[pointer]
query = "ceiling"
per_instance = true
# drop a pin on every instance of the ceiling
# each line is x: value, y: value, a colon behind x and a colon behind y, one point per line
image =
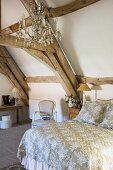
x: 87, y: 38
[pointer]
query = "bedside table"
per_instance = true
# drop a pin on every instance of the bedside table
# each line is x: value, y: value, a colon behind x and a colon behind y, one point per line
x: 73, y: 112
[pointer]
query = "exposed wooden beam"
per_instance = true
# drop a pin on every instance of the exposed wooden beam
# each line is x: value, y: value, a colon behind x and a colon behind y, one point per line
x: 14, y: 68
x: 0, y: 15
x: 60, y: 60
x: 65, y: 65
x: 14, y: 81
x: 15, y: 27
x: 69, y: 8
x: 52, y: 12
x: 9, y: 40
x: 95, y: 80
x: 42, y: 79
x: 1, y: 71
x: 61, y: 75
x: 2, y: 60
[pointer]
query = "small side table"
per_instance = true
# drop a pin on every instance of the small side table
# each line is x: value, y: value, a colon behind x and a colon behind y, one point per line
x: 73, y: 112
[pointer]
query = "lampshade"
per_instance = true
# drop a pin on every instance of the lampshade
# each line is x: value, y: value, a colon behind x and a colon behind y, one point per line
x: 14, y: 90
x: 83, y: 87
x: 96, y: 87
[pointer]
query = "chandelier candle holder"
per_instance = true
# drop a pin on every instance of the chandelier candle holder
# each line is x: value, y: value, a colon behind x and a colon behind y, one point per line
x: 40, y: 31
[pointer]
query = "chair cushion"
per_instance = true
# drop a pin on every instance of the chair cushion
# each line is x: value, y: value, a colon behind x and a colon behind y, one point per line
x: 41, y: 122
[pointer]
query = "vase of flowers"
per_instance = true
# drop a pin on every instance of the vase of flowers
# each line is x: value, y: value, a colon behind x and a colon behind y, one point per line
x: 72, y: 101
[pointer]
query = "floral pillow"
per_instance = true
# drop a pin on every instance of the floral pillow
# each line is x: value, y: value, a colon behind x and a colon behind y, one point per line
x: 91, y: 112
x: 108, y: 120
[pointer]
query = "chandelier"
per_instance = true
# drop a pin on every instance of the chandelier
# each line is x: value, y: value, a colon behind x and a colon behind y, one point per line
x: 40, y: 30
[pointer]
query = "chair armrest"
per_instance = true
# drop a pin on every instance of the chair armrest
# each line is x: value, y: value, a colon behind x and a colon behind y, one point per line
x: 55, y: 115
x: 33, y: 117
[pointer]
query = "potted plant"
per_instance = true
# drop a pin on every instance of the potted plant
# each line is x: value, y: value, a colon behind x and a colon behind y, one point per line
x: 72, y: 101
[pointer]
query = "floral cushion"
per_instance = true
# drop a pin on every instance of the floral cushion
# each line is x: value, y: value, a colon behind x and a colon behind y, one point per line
x: 91, y: 112
x: 108, y: 120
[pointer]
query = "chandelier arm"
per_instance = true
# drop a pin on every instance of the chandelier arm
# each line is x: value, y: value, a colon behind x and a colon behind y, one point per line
x: 41, y: 31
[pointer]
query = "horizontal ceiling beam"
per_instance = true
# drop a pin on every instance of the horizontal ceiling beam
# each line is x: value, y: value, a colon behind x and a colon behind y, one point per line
x: 95, y: 80
x: 42, y: 79
x: 15, y: 27
x: 52, y: 12
x: 9, y: 40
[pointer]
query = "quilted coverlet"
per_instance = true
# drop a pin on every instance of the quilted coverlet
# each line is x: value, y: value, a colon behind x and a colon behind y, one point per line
x: 69, y: 146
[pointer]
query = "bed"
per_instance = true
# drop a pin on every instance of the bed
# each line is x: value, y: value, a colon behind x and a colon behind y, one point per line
x: 71, y: 145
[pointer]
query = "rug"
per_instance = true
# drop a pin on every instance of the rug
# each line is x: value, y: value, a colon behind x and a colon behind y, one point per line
x: 9, y: 142
x: 14, y: 167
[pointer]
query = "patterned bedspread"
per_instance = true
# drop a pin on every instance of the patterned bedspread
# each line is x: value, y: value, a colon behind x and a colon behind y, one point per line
x: 69, y: 146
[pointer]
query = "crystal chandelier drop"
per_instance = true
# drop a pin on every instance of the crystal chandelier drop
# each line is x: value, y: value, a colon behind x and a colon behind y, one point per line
x: 40, y: 31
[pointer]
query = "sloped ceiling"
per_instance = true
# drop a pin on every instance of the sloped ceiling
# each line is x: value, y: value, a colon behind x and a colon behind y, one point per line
x: 87, y: 38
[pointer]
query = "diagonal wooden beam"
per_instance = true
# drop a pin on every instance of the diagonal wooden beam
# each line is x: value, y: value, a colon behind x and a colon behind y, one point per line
x: 8, y: 73
x: 15, y: 27
x: 67, y: 72
x: 61, y: 75
x: 0, y: 15
x: 1, y: 71
x: 2, y: 60
x: 69, y: 8
x: 52, y: 12
x: 14, y: 68
x: 9, y: 40
x: 65, y: 64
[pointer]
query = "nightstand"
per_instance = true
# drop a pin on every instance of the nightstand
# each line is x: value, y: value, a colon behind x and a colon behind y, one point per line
x: 73, y: 112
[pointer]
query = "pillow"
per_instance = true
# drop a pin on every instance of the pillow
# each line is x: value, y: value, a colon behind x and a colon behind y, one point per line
x: 91, y: 112
x: 108, y: 120
x: 105, y: 103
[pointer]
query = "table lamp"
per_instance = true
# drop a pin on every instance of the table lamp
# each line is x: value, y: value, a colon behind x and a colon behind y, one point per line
x: 83, y: 87
x: 15, y: 94
x: 96, y: 88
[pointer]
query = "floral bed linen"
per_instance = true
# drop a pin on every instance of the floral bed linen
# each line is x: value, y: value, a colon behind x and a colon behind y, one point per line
x: 69, y: 146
